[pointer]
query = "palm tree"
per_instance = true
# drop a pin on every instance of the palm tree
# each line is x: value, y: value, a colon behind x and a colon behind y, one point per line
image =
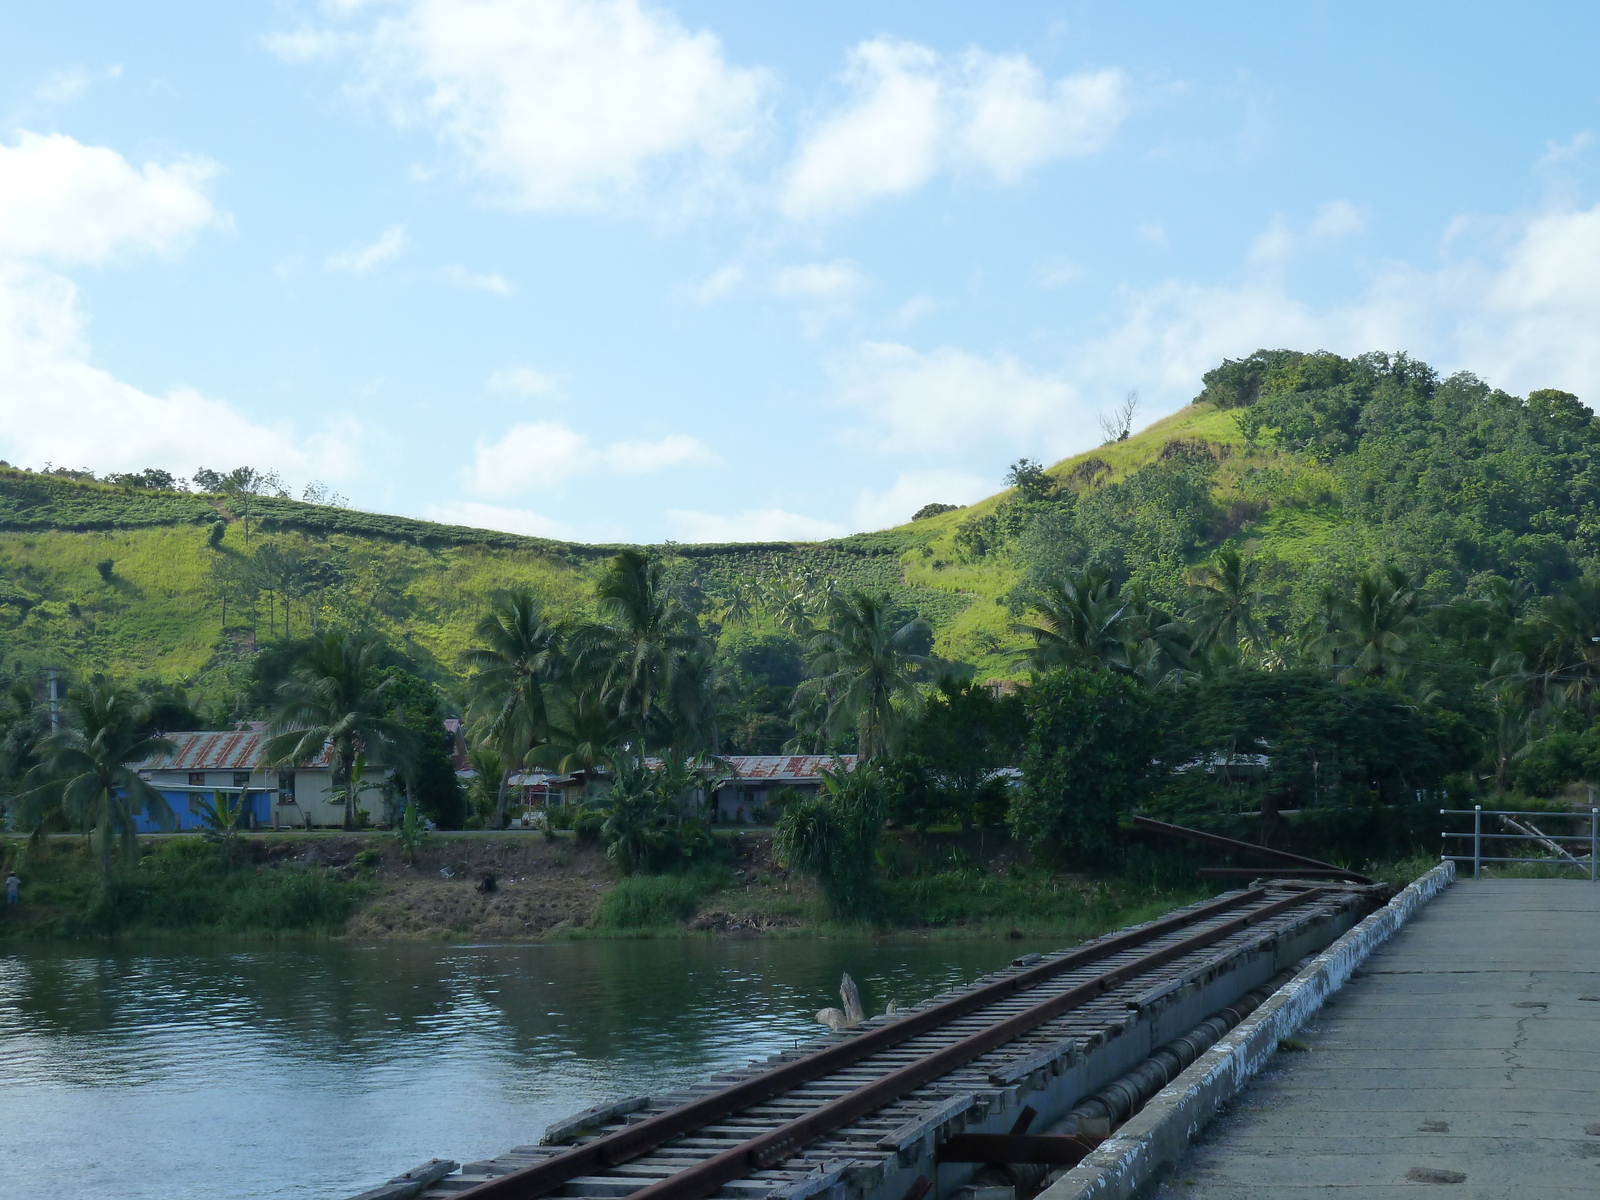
x: 737, y: 606
x: 636, y: 650
x: 586, y: 737
x: 1226, y: 592
x: 333, y: 700
x: 520, y: 657
x: 863, y: 664
x: 87, y: 770
x: 1078, y: 621
x: 1564, y: 640
x: 1376, y: 621
x: 1156, y: 644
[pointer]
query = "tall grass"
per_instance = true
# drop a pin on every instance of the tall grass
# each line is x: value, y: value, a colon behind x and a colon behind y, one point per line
x: 180, y: 887
x: 642, y: 902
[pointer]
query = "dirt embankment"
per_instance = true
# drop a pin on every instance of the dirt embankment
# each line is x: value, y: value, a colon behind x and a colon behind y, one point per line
x: 475, y: 887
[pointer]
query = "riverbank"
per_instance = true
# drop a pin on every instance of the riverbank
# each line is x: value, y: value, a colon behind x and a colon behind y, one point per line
x: 494, y: 887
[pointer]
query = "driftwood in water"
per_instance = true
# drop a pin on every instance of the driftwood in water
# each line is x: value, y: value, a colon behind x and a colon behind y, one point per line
x: 851, y: 1015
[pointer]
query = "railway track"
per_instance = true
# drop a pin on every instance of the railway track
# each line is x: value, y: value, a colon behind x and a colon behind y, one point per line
x: 867, y: 1111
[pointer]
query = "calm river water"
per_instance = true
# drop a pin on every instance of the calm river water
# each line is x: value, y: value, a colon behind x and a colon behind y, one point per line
x: 316, y: 1071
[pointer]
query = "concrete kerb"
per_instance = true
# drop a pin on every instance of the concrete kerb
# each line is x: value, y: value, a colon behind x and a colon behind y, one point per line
x: 1151, y: 1142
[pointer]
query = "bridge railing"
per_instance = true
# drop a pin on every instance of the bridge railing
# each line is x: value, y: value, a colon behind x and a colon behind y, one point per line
x: 1520, y: 828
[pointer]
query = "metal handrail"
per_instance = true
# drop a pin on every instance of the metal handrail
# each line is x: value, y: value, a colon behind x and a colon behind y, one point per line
x: 1477, y: 858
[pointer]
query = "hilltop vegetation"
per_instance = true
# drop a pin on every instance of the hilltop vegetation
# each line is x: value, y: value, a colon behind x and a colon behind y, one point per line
x: 1314, y: 466
x: 1341, y: 589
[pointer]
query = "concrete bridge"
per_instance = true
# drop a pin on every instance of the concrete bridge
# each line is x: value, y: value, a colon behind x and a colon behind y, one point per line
x: 1446, y: 1037
x: 1464, y: 1052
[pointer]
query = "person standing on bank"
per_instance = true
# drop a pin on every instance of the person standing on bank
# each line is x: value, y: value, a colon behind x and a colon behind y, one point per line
x: 13, y: 890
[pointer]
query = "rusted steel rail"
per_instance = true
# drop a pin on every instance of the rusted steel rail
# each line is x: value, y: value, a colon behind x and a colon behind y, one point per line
x: 1233, y: 846
x: 785, y: 1140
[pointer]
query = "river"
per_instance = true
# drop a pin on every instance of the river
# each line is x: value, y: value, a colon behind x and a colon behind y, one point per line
x: 238, y: 1070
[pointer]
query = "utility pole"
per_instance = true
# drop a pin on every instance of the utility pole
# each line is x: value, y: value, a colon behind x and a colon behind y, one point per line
x: 54, y: 675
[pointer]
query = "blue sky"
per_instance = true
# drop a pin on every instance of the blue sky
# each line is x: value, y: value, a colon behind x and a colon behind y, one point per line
x: 710, y: 271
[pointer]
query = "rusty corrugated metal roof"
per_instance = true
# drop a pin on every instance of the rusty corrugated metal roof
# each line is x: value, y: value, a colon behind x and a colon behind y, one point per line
x: 778, y: 767
x: 786, y: 767
x: 219, y: 750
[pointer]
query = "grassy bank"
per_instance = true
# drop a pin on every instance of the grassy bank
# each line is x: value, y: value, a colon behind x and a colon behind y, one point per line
x: 180, y: 886
x: 503, y: 887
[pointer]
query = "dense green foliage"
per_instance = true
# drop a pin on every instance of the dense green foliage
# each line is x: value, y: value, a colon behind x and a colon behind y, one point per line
x: 181, y: 885
x: 1092, y: 737
x: 833, y: 838
x: 1342, y: 588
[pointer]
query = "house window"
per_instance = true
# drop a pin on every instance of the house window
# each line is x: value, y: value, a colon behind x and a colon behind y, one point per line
x: 197, y: 779
x: 285, y: 787
x: 241, y: 779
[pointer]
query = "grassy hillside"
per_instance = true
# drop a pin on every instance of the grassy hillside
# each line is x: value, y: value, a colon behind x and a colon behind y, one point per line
x: 1314, y: 465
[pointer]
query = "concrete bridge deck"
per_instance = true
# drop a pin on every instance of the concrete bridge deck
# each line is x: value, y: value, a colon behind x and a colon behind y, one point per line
x: 1465, y: 1053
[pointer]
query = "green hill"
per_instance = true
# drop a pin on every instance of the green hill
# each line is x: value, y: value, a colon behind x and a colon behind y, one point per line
x: 1315, y: 465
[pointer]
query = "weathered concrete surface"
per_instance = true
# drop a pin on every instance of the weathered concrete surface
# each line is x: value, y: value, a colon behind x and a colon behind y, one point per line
x: 1464, y: 1054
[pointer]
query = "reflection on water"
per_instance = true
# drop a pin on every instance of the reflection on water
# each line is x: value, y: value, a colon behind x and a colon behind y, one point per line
x: 315, y: 1071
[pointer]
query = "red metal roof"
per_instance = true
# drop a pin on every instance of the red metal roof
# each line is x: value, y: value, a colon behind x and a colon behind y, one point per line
x: 221, y: 750
x: 780, y: 768
x: 786, y: 767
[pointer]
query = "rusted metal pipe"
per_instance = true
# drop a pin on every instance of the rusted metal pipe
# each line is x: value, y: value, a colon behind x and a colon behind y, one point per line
x: 1237, y: 847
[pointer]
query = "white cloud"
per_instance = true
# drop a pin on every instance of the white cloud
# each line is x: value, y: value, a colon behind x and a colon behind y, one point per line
x: 1523, y: 312
x: 913, y: 489
x: 817, y: 281
x: 912, y: 114
x: 1556, y: 153
x: 1338, y: 218
x: 718, y: 284
x: 568, y: 102
x: 643, y: 458
x: 461, y: 277
x: 362, y: 259
x: 525, y: 381
x: 67, y: 85
x: 1151, y: 232
x: 948, y: 400
x: 64, y: 201
x: 493, y: 516
x: 1058, y: 272
x: 543, y: 454
x: 1538, y: 321
x: 752, y: 525
x: 913, y: 310
x: 62, y: 410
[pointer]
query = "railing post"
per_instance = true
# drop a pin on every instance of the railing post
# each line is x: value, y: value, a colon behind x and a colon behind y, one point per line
x: 1477, y: 841
x: 1594, y: 845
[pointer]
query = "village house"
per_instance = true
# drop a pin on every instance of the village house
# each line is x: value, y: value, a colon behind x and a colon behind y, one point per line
x: 209, y: 763
x: 741, y: 797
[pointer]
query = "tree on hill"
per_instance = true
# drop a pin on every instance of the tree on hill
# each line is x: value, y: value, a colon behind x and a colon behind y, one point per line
x: 87, y: 771
x: 637, y: 649
x: 1374, y: 623
x: 519, y: 659
x: 428, y: 777
x: 1227, y: 594
x: 865, y: 663
x: 1078, y: 621
x: 336, y: 698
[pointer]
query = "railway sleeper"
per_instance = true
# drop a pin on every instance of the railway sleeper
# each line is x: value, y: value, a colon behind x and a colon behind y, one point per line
x: 1098, y: 1044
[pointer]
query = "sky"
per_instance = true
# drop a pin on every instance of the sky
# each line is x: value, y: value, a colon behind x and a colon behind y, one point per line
x: 610, y: 270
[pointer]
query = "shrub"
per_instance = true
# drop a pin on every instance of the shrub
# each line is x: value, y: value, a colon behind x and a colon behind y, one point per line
x: 656, y: 901
x: 105, y: 566
x: 1088, y: 759
x: 833, y: 837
